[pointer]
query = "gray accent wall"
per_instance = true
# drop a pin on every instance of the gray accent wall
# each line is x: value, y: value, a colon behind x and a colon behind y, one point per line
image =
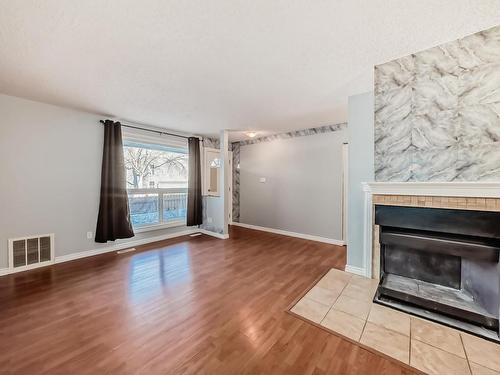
x: 302, y: 191
x: 360, y: 169
x: 50, y: 163
x: 437, y: 113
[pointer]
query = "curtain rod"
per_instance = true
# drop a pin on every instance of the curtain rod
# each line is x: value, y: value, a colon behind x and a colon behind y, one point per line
x: 151, y: 130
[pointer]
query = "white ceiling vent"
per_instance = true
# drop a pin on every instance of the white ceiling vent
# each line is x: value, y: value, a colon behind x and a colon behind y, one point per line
x: 31, y: 252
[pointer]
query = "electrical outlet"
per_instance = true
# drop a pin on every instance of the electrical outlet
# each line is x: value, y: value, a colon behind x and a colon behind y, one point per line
x: 209, y: 220
x: 262, y: 180
x: 90, y: 235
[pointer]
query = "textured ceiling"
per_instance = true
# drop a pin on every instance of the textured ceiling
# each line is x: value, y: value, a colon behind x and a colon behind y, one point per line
x: 202, y: 66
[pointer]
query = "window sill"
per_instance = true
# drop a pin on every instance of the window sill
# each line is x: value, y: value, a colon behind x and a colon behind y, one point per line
x: 150, y: 228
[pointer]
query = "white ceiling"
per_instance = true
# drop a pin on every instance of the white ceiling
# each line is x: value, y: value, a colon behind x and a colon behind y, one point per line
x: 202, y: 66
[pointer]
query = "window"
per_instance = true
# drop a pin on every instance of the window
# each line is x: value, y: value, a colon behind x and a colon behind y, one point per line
x: 156, y: 182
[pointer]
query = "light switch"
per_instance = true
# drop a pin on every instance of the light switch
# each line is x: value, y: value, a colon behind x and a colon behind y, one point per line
x: 262, y: 179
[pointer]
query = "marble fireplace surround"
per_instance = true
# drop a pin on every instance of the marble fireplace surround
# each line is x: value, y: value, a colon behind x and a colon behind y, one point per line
x: 482, y: 196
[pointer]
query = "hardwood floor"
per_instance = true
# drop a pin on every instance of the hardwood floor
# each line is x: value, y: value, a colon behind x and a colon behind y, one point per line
x: 196, y: 305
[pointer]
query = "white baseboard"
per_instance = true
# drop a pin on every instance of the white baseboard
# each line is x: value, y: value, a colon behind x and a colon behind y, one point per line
x: 355, y: 270
x: 292, y: 234
x: 125, y: 245
x: 5, y: 271
x: 107, y: 249
x: 214, y: 234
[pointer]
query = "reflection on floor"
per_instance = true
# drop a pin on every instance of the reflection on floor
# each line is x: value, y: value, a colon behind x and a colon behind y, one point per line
x: 342, y: 304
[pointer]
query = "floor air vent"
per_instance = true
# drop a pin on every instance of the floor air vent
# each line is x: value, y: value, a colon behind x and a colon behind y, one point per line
x: 31, y: 252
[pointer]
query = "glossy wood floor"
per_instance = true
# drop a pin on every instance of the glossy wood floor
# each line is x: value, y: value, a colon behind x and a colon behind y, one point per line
x: 196, y: 305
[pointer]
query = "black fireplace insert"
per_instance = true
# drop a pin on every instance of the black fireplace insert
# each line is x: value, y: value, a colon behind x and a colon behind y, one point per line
x: 441, y: 264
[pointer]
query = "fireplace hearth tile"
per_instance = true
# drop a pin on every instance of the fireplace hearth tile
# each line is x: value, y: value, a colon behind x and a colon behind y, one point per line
x: 353, y: 306
x: 480, y: 370
x: 338, y: 275
x: 334, y: 280
x: 359, y: 292
x: 365, y: 283
x: 435, y: 361
x: 437, y: 335
x: 390, y: 319
x: 482, y: 352
x: 343, y: 323
x: 312, y: 310
x: 427, y: 346
x: 323, y: 295
x: 333, y: 284
x: 386, y: 341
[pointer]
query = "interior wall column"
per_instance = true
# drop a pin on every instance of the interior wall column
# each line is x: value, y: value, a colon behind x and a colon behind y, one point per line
x: 224, y: 178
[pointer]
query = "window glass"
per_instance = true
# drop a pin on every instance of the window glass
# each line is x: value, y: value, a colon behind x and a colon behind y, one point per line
x: 156, y: 183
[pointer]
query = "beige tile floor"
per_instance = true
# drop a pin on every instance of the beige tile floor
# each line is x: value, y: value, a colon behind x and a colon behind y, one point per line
x: 342, y: 303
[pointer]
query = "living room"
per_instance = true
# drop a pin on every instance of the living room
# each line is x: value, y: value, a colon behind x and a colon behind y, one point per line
x: 250, y: 187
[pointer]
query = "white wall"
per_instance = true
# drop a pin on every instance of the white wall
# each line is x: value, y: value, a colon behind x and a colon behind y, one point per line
x: 50, y: 165
x: 361, y: 169
x: 303, y: 188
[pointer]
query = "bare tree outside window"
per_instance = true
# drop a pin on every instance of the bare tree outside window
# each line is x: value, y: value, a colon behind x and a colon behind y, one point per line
x: 146, y: 167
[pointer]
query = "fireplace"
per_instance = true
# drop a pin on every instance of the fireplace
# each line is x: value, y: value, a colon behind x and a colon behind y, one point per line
x: 441, y: 264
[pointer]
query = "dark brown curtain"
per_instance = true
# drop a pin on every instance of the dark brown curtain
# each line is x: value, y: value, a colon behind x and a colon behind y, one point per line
x: 194, y: 214
x: 113, y: 221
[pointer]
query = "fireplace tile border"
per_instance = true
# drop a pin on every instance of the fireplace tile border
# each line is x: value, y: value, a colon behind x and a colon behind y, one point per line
x: 459, y: 203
